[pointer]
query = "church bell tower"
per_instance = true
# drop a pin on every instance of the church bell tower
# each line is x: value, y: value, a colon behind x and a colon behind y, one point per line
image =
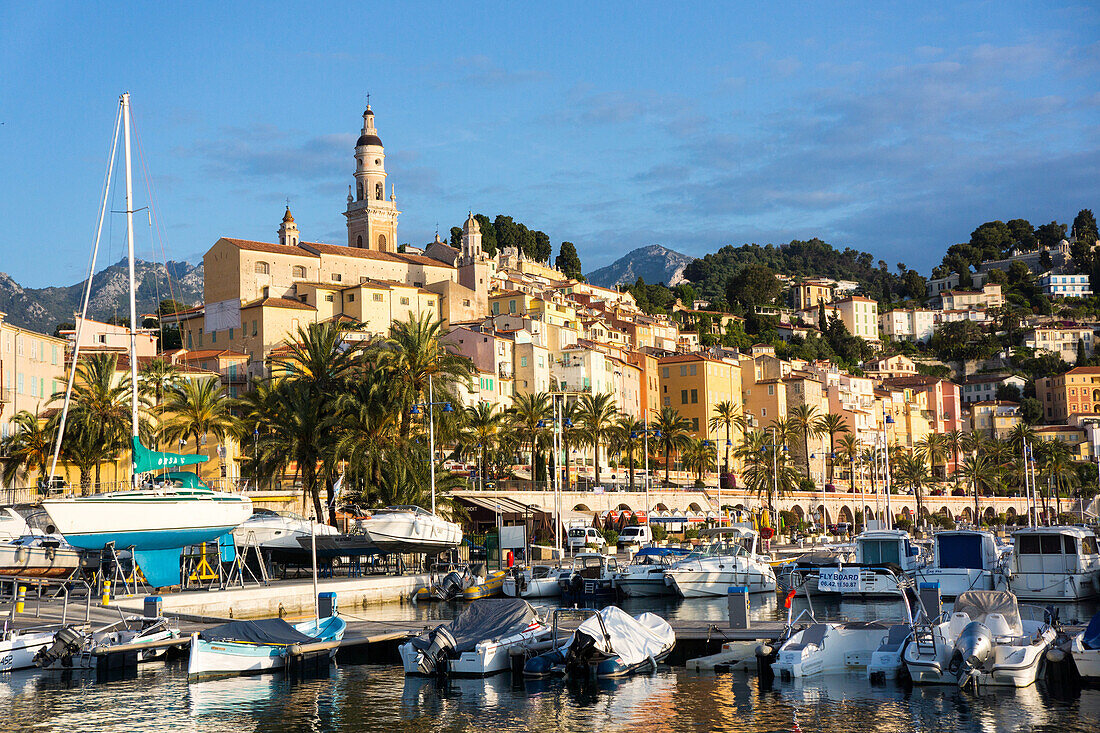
x: 372, y: 218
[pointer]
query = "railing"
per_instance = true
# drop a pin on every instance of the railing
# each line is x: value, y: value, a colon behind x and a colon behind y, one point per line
x: 7, y: 394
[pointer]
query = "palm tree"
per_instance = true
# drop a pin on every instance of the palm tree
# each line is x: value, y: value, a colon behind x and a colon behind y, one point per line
x: 671, y: 432
x: 28, y: 449
x: 157, y: 377
x: 1057, y: 468
x: 767, y: 465
x: 955, y: 441
x: 483, y: 424
x: 197, y: 408
x: 849, y: 451
x: 103, y: 402
x: 979, y: 472
x: 627, y: 439
x: 912, y: 470
x: 698, y: 458
x: 597, y: 415
x: 831, y: 423
x: 414, y: 352
x: 805, y: 420
x: 725, y: 416
x: 933, y: 447
x: 365, y: 427
x: 529, y: 413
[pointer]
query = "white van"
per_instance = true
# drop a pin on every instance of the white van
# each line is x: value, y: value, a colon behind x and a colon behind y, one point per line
x: 639, y: 534
x: 580, y: 537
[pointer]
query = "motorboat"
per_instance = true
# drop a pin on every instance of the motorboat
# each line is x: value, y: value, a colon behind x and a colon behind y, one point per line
x: 791, y: 571
x: 491, y: 585
x: 1054, y: 564
x: 39, y: 556
x: 885, y: 562
x: 984, y: 640
x: 872, y: 647
x: 256, y: 647
x: 609, y: 643
x: 1085, y: 650
x: 19, y: 646
x: 965, y: 559
x: 157, y: 522
x: 278, y: 534
x: 12, y: 524
x: 446, y: 583
x: 75, y: 647
x: 592, y: 576
x: 536, y: 581
x: 732, y: 559
x: 645, y: 574
x: 411, y: 529
x: 478, y: 642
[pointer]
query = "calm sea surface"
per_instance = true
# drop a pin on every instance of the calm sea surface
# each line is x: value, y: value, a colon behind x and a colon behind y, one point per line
x: 375, y: 698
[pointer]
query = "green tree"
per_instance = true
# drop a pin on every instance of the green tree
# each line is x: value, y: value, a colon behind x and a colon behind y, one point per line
x: 806, y: 423
x: 1084, y: 227
x: 832, y: 424
x: 196, y: 408
x: 753, y: 285
x: 979, y: 472
x: 934, y: 447
x: 671, y: 434
x: 912, y: 471
x: 726, y: 415
x: 1023, y: 234
x: 528, y: 414
x: 1051, y: 235
x: 993, y: 238
x: 456, y: 237
x: 627, y: 441
x: 597, y: 416
x: 698, y: 457
x: 568, y: 262
x: 101, y: 402
x: 542, y: 248
x: 28, y: 448
x: 1031, y: 410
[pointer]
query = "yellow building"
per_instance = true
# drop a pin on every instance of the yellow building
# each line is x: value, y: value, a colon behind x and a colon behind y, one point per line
x: 693, y: 384
x: 994, y: 418
x: 860, y: 316
x: 809, y: 293
x: 32, y: 369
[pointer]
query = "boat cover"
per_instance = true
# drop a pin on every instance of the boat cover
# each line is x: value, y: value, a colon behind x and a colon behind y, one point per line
x: 491, y: 618
x: 663, y: 552
x: 266, y: 631
x: 1091, y: 637
x: 821, y: 558
x: 977, y: 604
x: 960, y: 551
x: 632, y: 638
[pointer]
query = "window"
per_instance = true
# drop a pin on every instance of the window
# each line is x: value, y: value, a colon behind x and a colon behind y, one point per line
x: 664, y: 372
x: 511, y: 306
x: 523, y: 361
x: 213, y: 337
x: 351, y: 297
x: 297, y: 271
x: 404, y: 301
x: 771, y: 389
x: 231, y: 334
x: 330, y: 299
x: 378, y: 297
x: 336, y: 277
x: 53, y: 357
x: 763, y: 412
x: 692, y: 370
x: 683, y: 397
x: 694, y: 396
x: 253, y: 326
x: 262, y: 268
x: 465, y: 302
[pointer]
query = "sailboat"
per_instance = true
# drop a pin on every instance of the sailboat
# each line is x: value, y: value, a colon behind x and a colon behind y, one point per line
x: 156, y: 522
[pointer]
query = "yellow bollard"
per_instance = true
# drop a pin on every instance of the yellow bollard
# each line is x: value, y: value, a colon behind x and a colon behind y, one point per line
x: 106, y: 592
x: 21, y: 599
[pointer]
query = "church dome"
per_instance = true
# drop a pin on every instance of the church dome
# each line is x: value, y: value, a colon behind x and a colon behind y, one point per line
x: 368, y: 139
x: 471, y: 226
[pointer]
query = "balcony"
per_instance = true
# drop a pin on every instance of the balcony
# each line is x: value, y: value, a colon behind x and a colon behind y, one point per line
x: 7, y: 394
x: 504, y: 371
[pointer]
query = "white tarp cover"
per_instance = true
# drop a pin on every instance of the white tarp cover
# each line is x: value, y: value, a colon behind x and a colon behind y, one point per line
x: 633, y: 639
x: 977, y: 604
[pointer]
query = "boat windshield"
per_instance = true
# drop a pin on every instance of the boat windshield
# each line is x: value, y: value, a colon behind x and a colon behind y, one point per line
x: 652, y: 559
x: 729, y: 546
x: 580, y: 562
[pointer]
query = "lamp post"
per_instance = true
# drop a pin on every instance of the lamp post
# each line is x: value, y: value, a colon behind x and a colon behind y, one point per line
x: 645, y: 449
x: 886, y: 466
x: 430, y: 404
x: 719, y: 482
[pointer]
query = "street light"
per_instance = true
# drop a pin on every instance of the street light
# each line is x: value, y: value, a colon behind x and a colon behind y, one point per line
x: 707, y: 443
x: 886, y: 465
x: 645, y: 439
x: 431, y: 431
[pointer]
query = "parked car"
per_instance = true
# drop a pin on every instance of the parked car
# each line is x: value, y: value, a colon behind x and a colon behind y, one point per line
x: 581, y: 537
x: 639, y: 534
x: 840, y: 528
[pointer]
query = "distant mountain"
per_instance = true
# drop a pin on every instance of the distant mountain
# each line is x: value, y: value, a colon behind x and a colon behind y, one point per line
x: 41, y: 309
x: 654, y: 264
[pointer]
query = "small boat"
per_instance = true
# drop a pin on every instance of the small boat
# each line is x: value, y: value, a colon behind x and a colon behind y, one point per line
x: 411, y: 529
x: 1085, y: 650
x: 39, y: 556
x: 984, y: 641
x: 487, y: 587
x: 965, y: 559
x: 731, y: 559
x: 12, y: 524
x: 18, y: 647
x: 885, y: 562
x: 478, y: 642
x: 74, y: 647
x: 610, y: 643
x: 446, y: 584
x: 592, y: 576
x: 829, y: 648
x: 255, y: 647
x: 536, y: 581
x: 1054, y: 564
x: 278, y: 534
x: 645, y: 575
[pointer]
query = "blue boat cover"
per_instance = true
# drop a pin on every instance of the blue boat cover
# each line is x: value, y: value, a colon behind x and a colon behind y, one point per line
x: 1091, y: 638
x: 960, y: 551
x: 662, y: 551
x: 266, y: 631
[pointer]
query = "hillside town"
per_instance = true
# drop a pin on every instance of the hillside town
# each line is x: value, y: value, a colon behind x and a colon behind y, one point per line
x: 955, y: 381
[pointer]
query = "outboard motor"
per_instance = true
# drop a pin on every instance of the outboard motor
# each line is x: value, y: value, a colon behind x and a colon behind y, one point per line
x: 972, y: 649
x: 433, y: 659
x: 581, y: 655
x: 67, y: 642
x: 451, y: 586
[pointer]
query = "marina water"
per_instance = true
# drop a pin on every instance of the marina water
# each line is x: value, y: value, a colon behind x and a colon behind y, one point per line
x: 379, y: 698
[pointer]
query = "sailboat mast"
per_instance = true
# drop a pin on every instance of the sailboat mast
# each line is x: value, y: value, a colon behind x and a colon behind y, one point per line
x: 130, y: 253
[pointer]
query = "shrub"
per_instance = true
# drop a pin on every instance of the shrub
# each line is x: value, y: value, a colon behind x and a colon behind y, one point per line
x: 659, y: 532
x: 611, y: 536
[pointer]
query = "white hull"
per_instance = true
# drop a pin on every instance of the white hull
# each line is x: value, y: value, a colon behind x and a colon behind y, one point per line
x: 488, y: 657
x: 38, y: 562
x: 412, y: 532
x: 1048, y: 586
x: 225, y: 658
x: 1086, y: 660
x: 842, y: 648
x: 871, y: 583
x: 954, y: 581
x: 17, y: 649
x: 690, y: 582
x: 537, y: 588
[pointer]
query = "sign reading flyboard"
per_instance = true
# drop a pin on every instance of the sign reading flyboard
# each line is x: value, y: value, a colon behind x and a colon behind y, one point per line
x: 839, y: 580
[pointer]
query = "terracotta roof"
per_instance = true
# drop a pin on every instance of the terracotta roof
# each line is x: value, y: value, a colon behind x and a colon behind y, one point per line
x: 281, y: 249
x: 209, y: 354
x: 279, y: 303
x: 1084, y: 370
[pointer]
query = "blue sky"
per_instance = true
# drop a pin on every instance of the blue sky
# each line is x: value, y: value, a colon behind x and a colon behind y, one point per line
x: 895, y: 128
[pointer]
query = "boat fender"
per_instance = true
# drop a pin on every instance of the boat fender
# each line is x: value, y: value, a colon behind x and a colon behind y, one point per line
x: 765, y: 655
x: 653, y: 662
x: 521, y: 583
x: 577, y: 584
x: 1055, y: 656
x: 294, y: 650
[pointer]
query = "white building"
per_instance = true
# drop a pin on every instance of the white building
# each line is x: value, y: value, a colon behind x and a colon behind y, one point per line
x: 913, y: 324
x: 860, y: 316
x: 1065, y: 286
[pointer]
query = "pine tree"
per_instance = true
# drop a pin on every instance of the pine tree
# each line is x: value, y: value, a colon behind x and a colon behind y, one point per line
x: 568, y: 262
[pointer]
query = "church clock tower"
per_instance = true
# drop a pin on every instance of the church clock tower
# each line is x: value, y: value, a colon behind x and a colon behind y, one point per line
x: 372, y: 218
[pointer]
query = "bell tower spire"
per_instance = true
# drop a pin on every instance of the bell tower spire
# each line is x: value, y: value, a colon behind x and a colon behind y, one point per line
x: 372, y: 219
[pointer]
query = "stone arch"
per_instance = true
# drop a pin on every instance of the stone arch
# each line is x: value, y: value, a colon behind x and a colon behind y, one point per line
x: 906, y: 514
x: 966, y: 515
x: 869, y: 513
x: 945, y: 512
x: 379, y: 191
x: 989, y: 514
x: 845, y: 515
x: 1010, y: 512
x: 359, y: 191
x: 797, y: 511
x: 660, y: 507
x: 624, y: 506
x: 359, y: 241
x: 581, y: 508
x: 382, y: 243
x: 693, y: 506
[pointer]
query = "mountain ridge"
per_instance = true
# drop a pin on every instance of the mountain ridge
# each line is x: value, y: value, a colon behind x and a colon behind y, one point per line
x: 653, y: 263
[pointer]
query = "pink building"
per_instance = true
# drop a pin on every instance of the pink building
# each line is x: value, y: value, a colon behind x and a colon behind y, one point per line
x: 944, y: 402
